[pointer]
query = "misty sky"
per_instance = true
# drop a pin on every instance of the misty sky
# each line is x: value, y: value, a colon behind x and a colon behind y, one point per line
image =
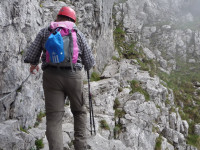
x: 194, y: 7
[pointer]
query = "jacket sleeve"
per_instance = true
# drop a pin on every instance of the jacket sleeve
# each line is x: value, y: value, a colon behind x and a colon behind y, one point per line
x: 34, y: 51
x: 87, y: 56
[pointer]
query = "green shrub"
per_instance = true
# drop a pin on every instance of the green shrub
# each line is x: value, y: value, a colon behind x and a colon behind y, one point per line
x: 167, y: 102
x: 24, y: 130
x: 198, y: 92
x: 181, y: 82
x: 158, y: 143
x: 116, y: 103
x: 172, y: 109
x: 194, y: 140
x: 21, y: 52
x: 119, y: 113
x: 104, y: 125
x: 71, y: 144
x: 136, y: 87
x: 40, y: 116
x: 119, y: 38
x: 95, y: 76
x: 39, y: 144
x: 36, y: 124
x: 115, y: 58
x: 117, y: 130
x: 155, y: 129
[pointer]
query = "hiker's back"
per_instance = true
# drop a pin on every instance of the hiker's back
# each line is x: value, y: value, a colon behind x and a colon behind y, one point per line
x: 61, y: 46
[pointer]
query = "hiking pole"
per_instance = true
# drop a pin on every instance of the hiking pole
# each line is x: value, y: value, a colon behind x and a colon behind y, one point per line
x: 89, y: 95
x: 18, y: 88
x: 90, y: 106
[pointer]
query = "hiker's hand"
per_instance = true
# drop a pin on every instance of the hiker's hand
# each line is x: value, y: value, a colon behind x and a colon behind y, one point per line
x: 33, y: 67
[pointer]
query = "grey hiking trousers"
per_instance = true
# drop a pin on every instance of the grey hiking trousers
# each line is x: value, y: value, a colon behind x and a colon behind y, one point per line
x: 57, y: 84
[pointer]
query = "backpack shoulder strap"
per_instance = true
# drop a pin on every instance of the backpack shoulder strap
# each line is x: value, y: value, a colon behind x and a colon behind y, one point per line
x: 71, y: 49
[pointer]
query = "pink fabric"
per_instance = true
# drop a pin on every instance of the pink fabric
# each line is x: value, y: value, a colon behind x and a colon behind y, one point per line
x: 75, y: 50
x: 66, y: 25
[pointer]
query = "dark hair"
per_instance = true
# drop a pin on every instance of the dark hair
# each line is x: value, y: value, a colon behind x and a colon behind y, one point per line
x: 65, y: 18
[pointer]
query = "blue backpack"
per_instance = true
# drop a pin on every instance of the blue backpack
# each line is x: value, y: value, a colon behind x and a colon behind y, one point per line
x: 55, y: 47
x: 61, y: 46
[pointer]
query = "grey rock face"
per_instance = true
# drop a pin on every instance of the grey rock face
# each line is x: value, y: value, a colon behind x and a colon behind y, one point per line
x: 144, y: 119
x: 95, y: 20
x: 19, y: 29
x: 10, y: 133
x: 149, y: 54
x: 100, y: 143
x: 197, y: 129
x: 174, y: 137
x: 140, y: 114
x: 152, y: 23
x: 166, y: 145
x: 104, y: 93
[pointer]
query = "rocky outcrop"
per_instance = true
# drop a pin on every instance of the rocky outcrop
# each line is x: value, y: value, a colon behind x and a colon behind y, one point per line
x: 142, y: 117
x: 20, y: 22
x: 12, y: 138
x: 18, y: 30
x: 157, y: 25
x: 95, y: 20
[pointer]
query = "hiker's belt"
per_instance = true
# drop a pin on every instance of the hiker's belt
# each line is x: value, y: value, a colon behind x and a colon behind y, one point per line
x: 63, y: 68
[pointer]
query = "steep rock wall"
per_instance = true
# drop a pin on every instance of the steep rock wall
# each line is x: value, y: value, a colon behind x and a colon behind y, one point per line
x: 157, y: 25
x: 20, y: 21
x: 95, y: 20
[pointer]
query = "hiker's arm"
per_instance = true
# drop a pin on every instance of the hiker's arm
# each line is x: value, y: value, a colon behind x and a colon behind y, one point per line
x: 87, y: 56
x: 35, y: 50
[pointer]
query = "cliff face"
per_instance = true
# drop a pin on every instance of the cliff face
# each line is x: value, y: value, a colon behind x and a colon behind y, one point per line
x: 145, y: 114
x: 95, y: 20
x: 162, y: 26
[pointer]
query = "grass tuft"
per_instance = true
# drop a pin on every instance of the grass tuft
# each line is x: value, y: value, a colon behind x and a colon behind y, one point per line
x: 104, y: 125
x: 136, y: 87
x: 158, y: 143
x: 95, y: 76
x: 116, y: 103
x: 39, y: 144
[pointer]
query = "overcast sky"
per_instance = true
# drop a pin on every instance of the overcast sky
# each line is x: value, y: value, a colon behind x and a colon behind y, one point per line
x: 194, y: 7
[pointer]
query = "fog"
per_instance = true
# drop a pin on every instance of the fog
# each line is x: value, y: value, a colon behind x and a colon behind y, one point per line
x: 193, y: 6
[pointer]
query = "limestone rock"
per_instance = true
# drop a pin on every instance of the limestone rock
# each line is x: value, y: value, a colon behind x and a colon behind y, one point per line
x: 144, y: 119
x: 99, y: 143
x: 197, y: 129
x: 149, y: 54
x: 10, y: 133
x: 104, y: 93
x: 166, y: 145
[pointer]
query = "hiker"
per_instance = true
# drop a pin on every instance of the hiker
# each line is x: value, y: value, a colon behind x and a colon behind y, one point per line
x: 59, y: 80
